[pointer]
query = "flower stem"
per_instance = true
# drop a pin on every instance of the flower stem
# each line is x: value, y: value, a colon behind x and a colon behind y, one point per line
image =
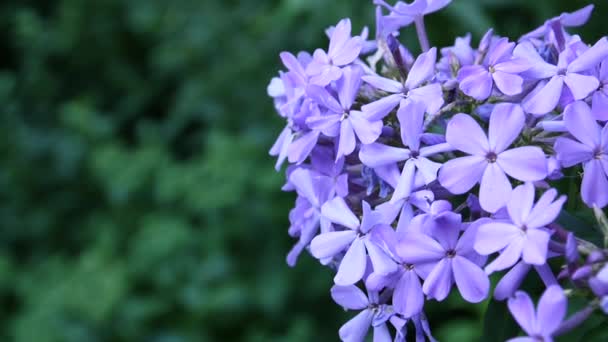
x: 421, y: 31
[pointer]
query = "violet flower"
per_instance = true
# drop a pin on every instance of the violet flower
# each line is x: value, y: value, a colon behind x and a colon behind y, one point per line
x: 600, y: 96
x: 343, y: 50
x: 490, y: 161
x: 571, y: 73
x: 574, y: 19
x: 372, y: 314
x: 355, y: 239
x: 411, y: 119
x: 540, y: 324
x: 502, y: 69
x: 589, y: 148
x: 446, y: 259
x: 526, y: 236
x: 413, y: 89
x: 341, y: 120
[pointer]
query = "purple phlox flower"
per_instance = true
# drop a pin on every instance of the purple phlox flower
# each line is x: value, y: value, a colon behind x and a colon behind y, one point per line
x: 589, y: 148
x: 405, y: 208
x: 374, y: 313
x: 408, y: 298
x: 413, y: 89
x: 526, y: 235
x: 490, y: 161
x: 571, y: 70
x: 421, y: 328
x: 438, y: 215
x: 500, y: 69
x: 574, y: 19
x: 554, y: 169
x: 445, y: 259
x: 343, y: 50
x: 313, y: 192
x: 540, y: 324
x: 405, y: 13
x: 323, y: 162
x: 513, y: 279
x: 411, y: 120
x: 367, y: 46
x: 281, y: 146
x: 452, y: 59
x: 600, y: 96
x: 340, y: 120
x: 296, y: 78
x: 354, y: 239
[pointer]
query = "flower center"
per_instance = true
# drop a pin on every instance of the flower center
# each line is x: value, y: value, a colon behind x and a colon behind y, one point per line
x: 598, y: 154
x: 408, y: 267
x: 344, y: 116
x: 451, y: 253
x: 491, y: 157
x: 491, y: 69
x: 414, y: 154
x: 561, y: 72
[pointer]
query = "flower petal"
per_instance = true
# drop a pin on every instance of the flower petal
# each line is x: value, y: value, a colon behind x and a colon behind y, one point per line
x: 408, y: 298
x: 461, y: 174
x: 511, y: 281
x: 406, y: 182
x: 464, y: 134
x: 352, y: 266
x: 570, y: 152
x: 581, y: 124
x: 545, y: 211
x: 382, y: 83
x: 520, y: 204
x: 411, y: 121
x: 581, y: 85
x: 377, y: 110
x: 374, y: 155
x: 506, y: 122
x: 418, y: 248
x: 535, y: 247
x: 522, y: 309
x: 349, y: 297
x: 471, y: 280
x: 381, y: 262
x: 439, y: 282
x: 348, y: 85
x: 595, y: 183
x: 356, y: 329
x: 508, y: 257
x: 494, y: 236
x: 551, y: 310
x: 545, y: 97
x: 475, y: 81
x: 337, y: 211
x: 590, y: 58
x: 422, y: 70
x: 347, y: 140
x: 367, y: 131
x: 494, y: 189
x: 329, y: 244
x: 508, y: 84
x: 526, y: 163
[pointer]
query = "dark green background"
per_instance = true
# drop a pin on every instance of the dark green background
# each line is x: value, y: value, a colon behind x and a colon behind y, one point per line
x: 137, y: 199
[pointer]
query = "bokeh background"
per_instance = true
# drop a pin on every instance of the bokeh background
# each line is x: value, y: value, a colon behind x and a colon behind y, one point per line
x: 137, y: 198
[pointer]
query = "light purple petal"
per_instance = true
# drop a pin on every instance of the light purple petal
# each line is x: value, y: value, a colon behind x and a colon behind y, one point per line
x: 581, y: 85
x: 508, y: 257
x: 418, y: 248
x: 382, y: 83
x: 381, y: 334
x: 494, y: 189
x: 508, y: 84
x: 544, y: 211
x: 328, y: 74
x: 545, y: 98
x: 422, y: 70
x: 526, y: 163
x: 430, y: 94
x: 590, y: 58
x: 323, y: 98
x: 323, y: 122
x: 366, y: 131
x: 494, y: 236
x: 439, y: 282
x: 471, y: 280
x: 339, y: 36
x: 522, y: 309
x: 302, y: 179
x: 349, y: 297
x: 377, y: 110
x: 374, y: 155
x: 520, y: 204
x: 300, y: 149
x: 347, y: 140
x: 356, y: 329
x: 576, y: 18
x: 551, y: 310
x: 428, y: 169
x: 461, y: 174
x: 348, y: 85
x: 475, y: 81
x: 570, y: 152
x: 513, y: 66
x: 502, y: 50
x: 511, y: 281
x: 600, y: 105
x: 581, y: 124
x: 411, y: 121
x: 352, y: 266
x: 350, y: 51
x: 381, y: 262
x: 595, y: 183
x: 535, y: 247
x: 337, y: 211
x: 464, y: 134
x: 329, y: 244
x: 408, y: 298
x: 281, y: 146
x: 506, y: 122
x: 406, y: 182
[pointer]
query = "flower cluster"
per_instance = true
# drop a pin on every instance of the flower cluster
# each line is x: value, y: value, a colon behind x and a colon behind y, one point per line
x: 382, y: 147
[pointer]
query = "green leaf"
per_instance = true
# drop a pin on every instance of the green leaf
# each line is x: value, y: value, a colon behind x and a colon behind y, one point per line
x: 498, y: 324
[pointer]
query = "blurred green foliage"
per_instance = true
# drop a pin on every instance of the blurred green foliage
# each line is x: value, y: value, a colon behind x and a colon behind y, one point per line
x: 137, y: 200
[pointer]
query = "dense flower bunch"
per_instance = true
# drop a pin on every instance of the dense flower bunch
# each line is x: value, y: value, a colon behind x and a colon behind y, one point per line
x: 419, y: 176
